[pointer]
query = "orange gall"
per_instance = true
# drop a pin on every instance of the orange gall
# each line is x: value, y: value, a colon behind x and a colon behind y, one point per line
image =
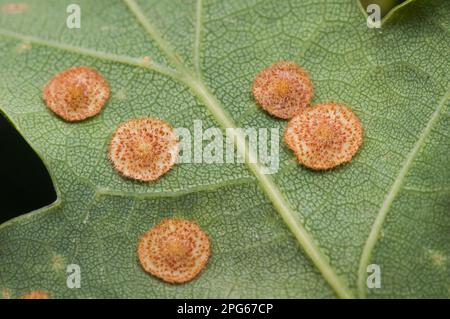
x: 175, y: 250
x: 283, y: 89
x: 144, y: 149
x: 36, y: 294
x: 76, y: 93
x: 324, y: 136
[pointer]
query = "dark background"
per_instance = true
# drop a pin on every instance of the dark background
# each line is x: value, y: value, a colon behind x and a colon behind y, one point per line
x: 25, y: 184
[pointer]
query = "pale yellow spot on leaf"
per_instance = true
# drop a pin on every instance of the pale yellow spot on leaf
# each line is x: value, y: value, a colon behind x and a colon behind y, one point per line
x: 57, y: 262
x: 6, y: 294
x: 438, y: 259
x: 23, y: 47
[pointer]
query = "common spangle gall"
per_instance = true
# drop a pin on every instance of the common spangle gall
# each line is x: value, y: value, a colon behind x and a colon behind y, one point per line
x: 175, y: 250
x: 76, y: 93
x: 144, y: 149
x: 324, y: 136
x: 283, y: 89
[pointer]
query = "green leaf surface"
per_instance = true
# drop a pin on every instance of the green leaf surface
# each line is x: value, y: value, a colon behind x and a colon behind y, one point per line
x: 296, y: 233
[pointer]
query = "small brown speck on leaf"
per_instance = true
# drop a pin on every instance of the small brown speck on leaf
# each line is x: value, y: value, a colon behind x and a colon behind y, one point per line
x: 144, y: 149
x: 175, y: 250
x: 13, y: 8
x: 324, y: 136
x: 24, y: 47
x: 76, y: 93
x: 146, y: 59
x: 283, y: 89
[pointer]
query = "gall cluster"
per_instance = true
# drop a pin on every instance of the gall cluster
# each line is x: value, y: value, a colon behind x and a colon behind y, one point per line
x: 322, y: 136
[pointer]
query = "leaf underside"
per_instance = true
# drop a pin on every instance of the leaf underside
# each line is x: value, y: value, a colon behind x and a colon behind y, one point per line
x: 390, y: 206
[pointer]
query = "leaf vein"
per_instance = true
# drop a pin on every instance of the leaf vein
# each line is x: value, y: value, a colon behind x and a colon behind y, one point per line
x: 392, y: 194
x: 151, y: 65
